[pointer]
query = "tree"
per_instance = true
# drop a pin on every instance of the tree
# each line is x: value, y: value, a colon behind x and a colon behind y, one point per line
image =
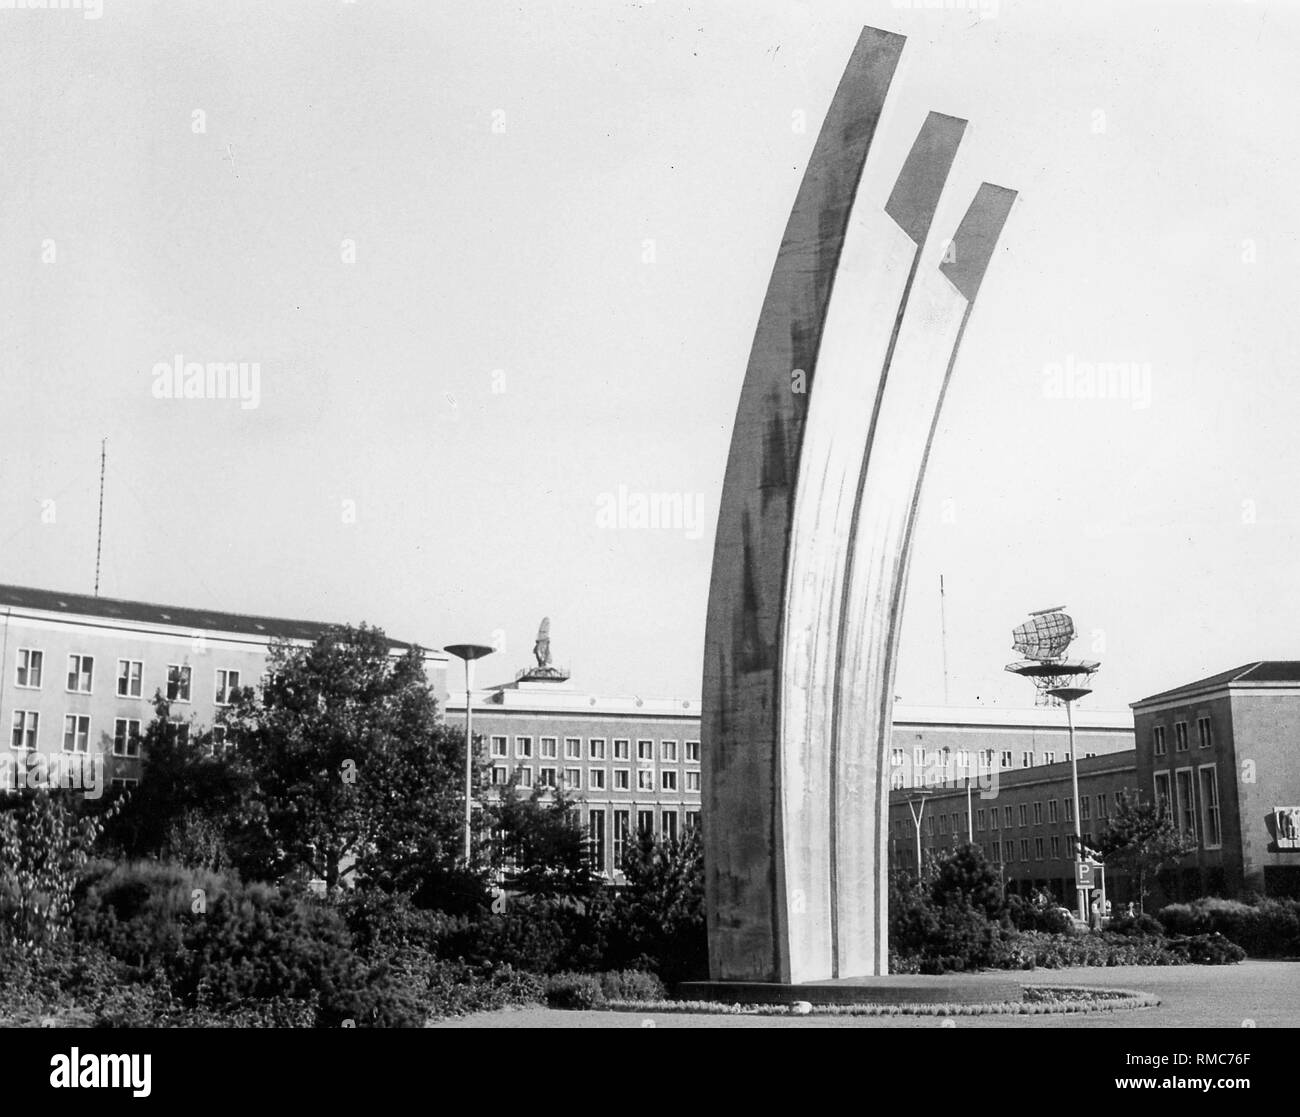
x: 347, y: 769
x: 658, y: 914
x: 539, y: 845
x: 1142, y: 839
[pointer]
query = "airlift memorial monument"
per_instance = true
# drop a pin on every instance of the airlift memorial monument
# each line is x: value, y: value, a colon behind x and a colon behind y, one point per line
x: 855, y: 344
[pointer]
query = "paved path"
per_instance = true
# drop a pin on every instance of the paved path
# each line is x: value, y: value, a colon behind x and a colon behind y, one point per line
x: 1191, y: 997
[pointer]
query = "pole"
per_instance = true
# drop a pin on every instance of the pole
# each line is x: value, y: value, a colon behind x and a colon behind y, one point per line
x: 469, y: 756
x: 916, y: 818
x: 970, y: 822
x: 1078, y: 822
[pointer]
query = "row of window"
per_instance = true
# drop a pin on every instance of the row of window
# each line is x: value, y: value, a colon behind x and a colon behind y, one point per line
x: 130, y: 677
x: 1057, y: 811
x: 622, y: 826
x: 26, y: 728
x: 549, y: 749
x: 963, y: 761
x: 1176, y: 795
x: 1160, y: 746
x: 596, y: 778
x: 1042, y: 849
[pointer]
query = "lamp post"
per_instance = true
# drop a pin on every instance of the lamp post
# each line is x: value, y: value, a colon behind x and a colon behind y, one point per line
x: 1043, y: 640
x: 468, y: 653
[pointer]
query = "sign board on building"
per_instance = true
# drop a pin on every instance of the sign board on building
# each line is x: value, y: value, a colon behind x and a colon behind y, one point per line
x: 1286, y: 827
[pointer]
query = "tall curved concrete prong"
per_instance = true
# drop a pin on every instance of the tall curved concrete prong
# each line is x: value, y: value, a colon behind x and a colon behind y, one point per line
x: 929, y: 337
x: 750, y: 899
x: 872, y: 286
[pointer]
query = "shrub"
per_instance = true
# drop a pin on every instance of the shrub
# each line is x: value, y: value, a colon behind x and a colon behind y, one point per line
x: 1135, y: 926
x: 574, y: 990
x: 632, y: 985
x: 1268, y: 928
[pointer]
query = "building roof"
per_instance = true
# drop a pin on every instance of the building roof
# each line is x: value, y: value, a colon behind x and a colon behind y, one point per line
x: 173, y: 616
x: 1261, y: 672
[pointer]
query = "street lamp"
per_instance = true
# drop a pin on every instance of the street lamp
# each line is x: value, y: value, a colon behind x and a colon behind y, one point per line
x: 468, y: 653
x: 1043, y: 640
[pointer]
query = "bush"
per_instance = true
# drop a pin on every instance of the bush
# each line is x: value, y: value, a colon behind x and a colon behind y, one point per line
x: 1268, y: 928
x: 632, y: 985
x: 1207, y: 950
x: 1135, y: 926
x: 574, y: 990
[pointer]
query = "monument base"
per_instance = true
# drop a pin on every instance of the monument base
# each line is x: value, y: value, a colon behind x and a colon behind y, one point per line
x: 891, y: 990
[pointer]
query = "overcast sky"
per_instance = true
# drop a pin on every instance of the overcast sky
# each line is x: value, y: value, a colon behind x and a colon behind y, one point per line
x: 497, y: 262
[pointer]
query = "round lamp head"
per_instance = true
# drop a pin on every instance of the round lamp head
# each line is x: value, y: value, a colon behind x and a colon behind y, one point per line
x: 468, y: 651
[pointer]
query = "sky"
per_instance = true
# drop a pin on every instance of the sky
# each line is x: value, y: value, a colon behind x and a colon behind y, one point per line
x: 499, y: 263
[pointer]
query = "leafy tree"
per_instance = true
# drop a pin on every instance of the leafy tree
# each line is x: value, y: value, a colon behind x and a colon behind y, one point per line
x: 190, y: 795
x: 43, y: 847
x: 657, y: 917
x: 539, y: 847
x: 1142, y: 838
x: 964, y: 876
x: 348, y: 770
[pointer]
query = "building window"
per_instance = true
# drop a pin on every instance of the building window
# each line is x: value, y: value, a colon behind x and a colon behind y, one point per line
x: 669, y: 831
x: 980, y: 818
x: 645, y: 779
x: 692, y: 781
x: 1024, y: 849
x: 546, y: 778
x: 596, y: 748
x: 1027, y: 759
x: 1180, y: 736
x: 1056, y: 847
x: 500, y: 747
x: 622, y: 779
x: 1203, y: 732
x: 1038, y: 813
x: 692, y: 752
x: 1008, y: 851
x: 1049, y: 758
x: 1069, y: 810
x: 76, y: 733
x: 1085, y: 808
x: 645, y: 822
x: 1038, y: 849
x: 525, y: 774
x: 1211, y: 830
x: 918, y: 767
x: 126, y: 737
x: 645, y: 750
x: 26, y: 725
x: 227, y: 684
x: 929, y: 825
x: 1006, y: 758
x: 943, y: 824
x: 550, y: 748
x: 622, y: 748
x: 1186, y: 801
x: 130, y: 675
x: 573, y: 779
x: 596, y: 831
x: 81, y: 673
x: 692, y: 820
x: 1023, y: 812
x: 1052, y: 811
x: 1101, y: 805
x: 123, y: 783
x: 180, y: 731
x: 596, y: 779
x: 668, y: 752
x: 1162, y: 792
x: 178, y: 683
x: 622, y: 825
x: 993, y: 818
x: 524, y: 748
x: 1158, y: 746
x: 668, y: 780
x: 572, y: 748
x: 30, y: 662
x: 500, y: 775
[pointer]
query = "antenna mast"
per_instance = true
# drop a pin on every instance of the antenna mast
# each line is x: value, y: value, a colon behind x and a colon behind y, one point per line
x: 943, y: 639
x: 99, y: 534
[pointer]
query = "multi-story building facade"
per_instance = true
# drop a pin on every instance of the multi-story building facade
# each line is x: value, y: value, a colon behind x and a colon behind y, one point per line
x: 78, y: 674
x: 634, y: 763
x: 1222, y: 755
x: 1021, y: 818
